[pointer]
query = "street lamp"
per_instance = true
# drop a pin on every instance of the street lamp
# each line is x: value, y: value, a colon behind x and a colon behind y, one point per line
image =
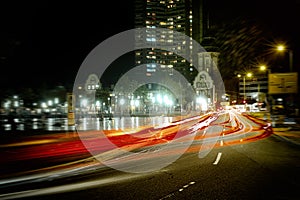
x: 249, y: 75
x: 282, y: 48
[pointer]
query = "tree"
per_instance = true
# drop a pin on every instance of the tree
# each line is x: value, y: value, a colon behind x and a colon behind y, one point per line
x: 242, y: 44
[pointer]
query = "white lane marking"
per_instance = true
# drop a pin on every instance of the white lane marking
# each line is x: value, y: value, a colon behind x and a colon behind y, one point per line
x: 214, y: 133
x: 218, y: 158
x: 187, y: 185
x: 179, y: 190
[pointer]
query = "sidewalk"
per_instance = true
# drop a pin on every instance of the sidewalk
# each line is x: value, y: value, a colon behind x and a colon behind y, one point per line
x: 289, y: 134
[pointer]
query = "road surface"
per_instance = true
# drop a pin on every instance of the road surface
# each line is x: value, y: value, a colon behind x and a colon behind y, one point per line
x: 223, y: 155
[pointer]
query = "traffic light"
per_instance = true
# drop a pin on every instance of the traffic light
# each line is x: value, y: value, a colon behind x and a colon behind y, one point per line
x: 244, y: 101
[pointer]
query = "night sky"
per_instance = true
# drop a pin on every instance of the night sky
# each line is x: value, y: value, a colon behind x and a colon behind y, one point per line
x: 45, y: 42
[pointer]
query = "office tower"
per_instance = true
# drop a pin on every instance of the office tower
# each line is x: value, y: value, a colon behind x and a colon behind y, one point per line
x: 184, y: 16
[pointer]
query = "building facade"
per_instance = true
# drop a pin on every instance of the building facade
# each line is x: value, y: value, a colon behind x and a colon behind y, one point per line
x: 253, y: 89
x: 190, y: 18
x: 182, y: 16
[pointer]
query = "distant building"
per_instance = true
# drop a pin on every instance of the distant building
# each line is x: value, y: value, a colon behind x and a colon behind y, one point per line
x: 184, y: 16
x: 190, y: 18
x: 254, y: 88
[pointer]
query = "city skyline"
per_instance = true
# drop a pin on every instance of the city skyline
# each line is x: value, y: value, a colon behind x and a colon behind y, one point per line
x: 46, y: 42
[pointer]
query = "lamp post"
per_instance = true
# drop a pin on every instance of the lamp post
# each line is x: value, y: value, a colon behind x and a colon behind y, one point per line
x: 282, y: 48
x: 249, y: 74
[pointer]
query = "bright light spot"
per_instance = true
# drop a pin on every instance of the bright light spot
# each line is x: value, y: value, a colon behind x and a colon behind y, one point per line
x: 122, y: 101
x: 84, y: 102
x: 159, y: 99
x: 44, y: 105
x: 50, y: 103
x: 56, y: 100
x: 136, y: 102
x: 280, y: 48
x: 263, y: 68
x: 153, y: 99
x: 167, y: 101
x: 202, y: 102
x: 97, y: 103
x: 16, y: 104
x: 132, y: 102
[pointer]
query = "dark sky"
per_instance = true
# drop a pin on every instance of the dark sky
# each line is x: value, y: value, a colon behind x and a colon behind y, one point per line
x: 281, y: 17
x: 46, y: 41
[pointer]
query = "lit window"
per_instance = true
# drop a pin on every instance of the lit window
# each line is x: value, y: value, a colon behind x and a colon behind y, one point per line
x: 150, y: 39
x: 151, y: 70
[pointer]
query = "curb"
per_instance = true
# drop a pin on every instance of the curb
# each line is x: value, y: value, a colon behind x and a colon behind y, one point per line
x: 283, y: 138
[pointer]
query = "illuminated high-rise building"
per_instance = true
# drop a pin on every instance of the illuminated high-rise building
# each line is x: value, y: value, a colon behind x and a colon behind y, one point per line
x: 184, y: 16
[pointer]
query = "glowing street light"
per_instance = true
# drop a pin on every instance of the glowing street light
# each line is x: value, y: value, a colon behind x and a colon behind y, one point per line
x: 262, y: 68
x: 280, y: 47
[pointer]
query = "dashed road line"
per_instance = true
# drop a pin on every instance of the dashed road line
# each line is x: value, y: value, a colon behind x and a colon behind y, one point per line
x: 218, y: 158
x: 179, y: 190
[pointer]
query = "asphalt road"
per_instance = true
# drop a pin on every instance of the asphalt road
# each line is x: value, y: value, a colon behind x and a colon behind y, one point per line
x: 265, y: 169
x: 261, y: 168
